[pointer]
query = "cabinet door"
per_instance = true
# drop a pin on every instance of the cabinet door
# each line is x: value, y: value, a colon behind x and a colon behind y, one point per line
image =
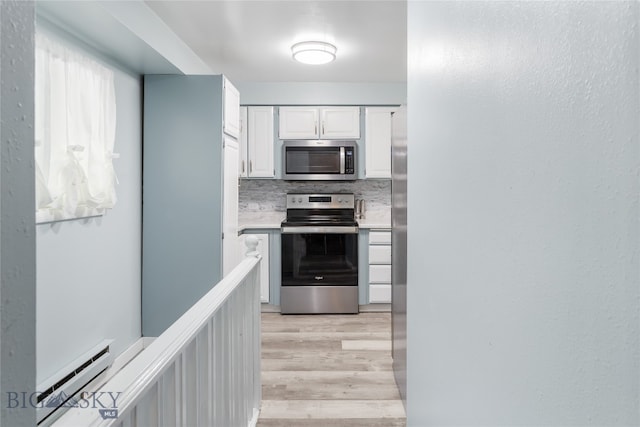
x: 230, y: 206
x: 380, y: 254
x: 260, y: 142
x: 242, y: 165
x: 380, y: 238
x: 378, y: 143
x: 340, y: 123
x: 298, y: 123
x: 231, y: 112
x: 380, y: 273
x: 379, y: 294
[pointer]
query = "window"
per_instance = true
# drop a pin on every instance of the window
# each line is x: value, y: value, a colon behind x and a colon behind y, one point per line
x: 75, y: 134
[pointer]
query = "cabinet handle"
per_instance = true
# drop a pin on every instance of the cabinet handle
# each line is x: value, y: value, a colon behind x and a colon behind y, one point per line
x: 315, y: 128
x: 243, y: 166
x: 250, y: 166
x: 323, y: 128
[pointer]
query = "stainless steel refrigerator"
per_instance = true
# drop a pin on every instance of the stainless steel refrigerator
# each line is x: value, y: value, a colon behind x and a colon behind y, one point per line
x: 399, y: 248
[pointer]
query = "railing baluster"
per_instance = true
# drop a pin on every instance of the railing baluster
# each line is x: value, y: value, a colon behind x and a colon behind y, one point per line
x: 217, y: 359
x: 210, y: 374
x: 202, y: 375
x: 167, y: 397
x: 244, y: 371
x: 226, y: 357
x: 235, y: 366
x: 177, y: 383
x: 161, y: 398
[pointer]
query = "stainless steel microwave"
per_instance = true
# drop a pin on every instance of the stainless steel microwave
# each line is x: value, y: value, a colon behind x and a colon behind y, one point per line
x: 319, y: 160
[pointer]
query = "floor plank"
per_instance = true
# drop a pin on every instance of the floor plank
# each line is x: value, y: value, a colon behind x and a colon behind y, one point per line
x: 281, y: 360
x: 331, y: 409
x: 326, y: 422
x: 377, y: 345
x: 328, y: 370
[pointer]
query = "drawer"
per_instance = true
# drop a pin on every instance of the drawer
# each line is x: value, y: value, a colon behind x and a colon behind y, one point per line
x: 379, y: 294
x: 380, y: 238
x: 380, y: 254
x: 380, y: 274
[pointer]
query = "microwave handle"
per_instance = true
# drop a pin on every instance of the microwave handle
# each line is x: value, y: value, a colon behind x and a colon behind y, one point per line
x: 342, y: 160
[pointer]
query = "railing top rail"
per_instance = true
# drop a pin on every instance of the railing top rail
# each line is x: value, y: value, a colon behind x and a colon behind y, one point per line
x: 139, y: 374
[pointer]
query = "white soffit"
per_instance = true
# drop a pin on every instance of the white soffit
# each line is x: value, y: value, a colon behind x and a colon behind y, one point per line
x: 127, y: 31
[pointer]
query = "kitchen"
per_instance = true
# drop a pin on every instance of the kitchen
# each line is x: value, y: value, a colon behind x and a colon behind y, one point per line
x: 272, y: 114
x: 317, y: 150
x: 264, y: 202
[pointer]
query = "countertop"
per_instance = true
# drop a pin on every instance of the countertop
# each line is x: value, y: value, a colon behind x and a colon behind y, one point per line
x: 272, y: 220
x: 260, y: 220
x: 376, y: 219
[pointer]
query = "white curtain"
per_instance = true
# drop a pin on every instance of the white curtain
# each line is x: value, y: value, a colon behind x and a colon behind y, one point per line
x: 75, y: 134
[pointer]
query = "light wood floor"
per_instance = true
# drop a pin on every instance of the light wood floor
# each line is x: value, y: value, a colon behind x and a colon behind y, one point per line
x: 329, y: 371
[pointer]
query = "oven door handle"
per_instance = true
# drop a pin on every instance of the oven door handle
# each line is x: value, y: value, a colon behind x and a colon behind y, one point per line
x: 320, y: 230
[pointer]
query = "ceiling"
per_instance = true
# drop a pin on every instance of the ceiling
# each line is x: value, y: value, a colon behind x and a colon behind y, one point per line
x: 251, y: 40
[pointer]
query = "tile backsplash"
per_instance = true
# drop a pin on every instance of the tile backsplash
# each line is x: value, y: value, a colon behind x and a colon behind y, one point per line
x: 268, y: 195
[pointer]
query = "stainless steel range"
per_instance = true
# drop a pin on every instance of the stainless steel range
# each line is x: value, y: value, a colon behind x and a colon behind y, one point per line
x: 319, y: 255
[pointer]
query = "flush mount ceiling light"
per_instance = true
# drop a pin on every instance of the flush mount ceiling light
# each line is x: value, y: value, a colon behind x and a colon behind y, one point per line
x: 314, y: 53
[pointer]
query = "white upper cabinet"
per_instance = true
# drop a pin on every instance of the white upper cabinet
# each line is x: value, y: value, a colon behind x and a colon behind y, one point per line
x: 242, y: 166
x: 260, y: 147
x: 299, y: 123
x: 319, y: 123
x: 231, y: 122
x: 340, y: 123
x: 378, y: 142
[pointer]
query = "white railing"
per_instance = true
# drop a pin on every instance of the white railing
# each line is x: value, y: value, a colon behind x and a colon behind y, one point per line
x: 204, y: 370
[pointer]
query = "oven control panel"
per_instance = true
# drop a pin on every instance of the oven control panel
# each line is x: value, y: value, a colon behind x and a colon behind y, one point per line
x: 320, y: 201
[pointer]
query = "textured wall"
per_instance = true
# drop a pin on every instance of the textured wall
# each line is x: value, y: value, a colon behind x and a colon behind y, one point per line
x: 523, y: 266
x: 17, y: 213
x: 89, y: 270
x: 269, y: 194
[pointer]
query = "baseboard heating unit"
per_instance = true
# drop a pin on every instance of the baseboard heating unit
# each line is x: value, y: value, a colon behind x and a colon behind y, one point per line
x: 58, y: 391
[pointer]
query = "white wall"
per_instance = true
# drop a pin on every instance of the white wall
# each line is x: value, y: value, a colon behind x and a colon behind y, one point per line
x: 322, y: 93
x: 17, y: 214
x: 88, y: 286
x: 523, y: 266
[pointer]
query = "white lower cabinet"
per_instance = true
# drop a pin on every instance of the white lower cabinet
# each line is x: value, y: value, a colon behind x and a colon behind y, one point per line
x: 379, y: 254
x: 379, y: 267
x: 380, y: 294
x: 379, y: 273
x: 263, y: 249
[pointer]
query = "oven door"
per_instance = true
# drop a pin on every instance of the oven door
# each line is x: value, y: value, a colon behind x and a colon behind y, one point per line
x: 319, y: 270
x: 319, y: 256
